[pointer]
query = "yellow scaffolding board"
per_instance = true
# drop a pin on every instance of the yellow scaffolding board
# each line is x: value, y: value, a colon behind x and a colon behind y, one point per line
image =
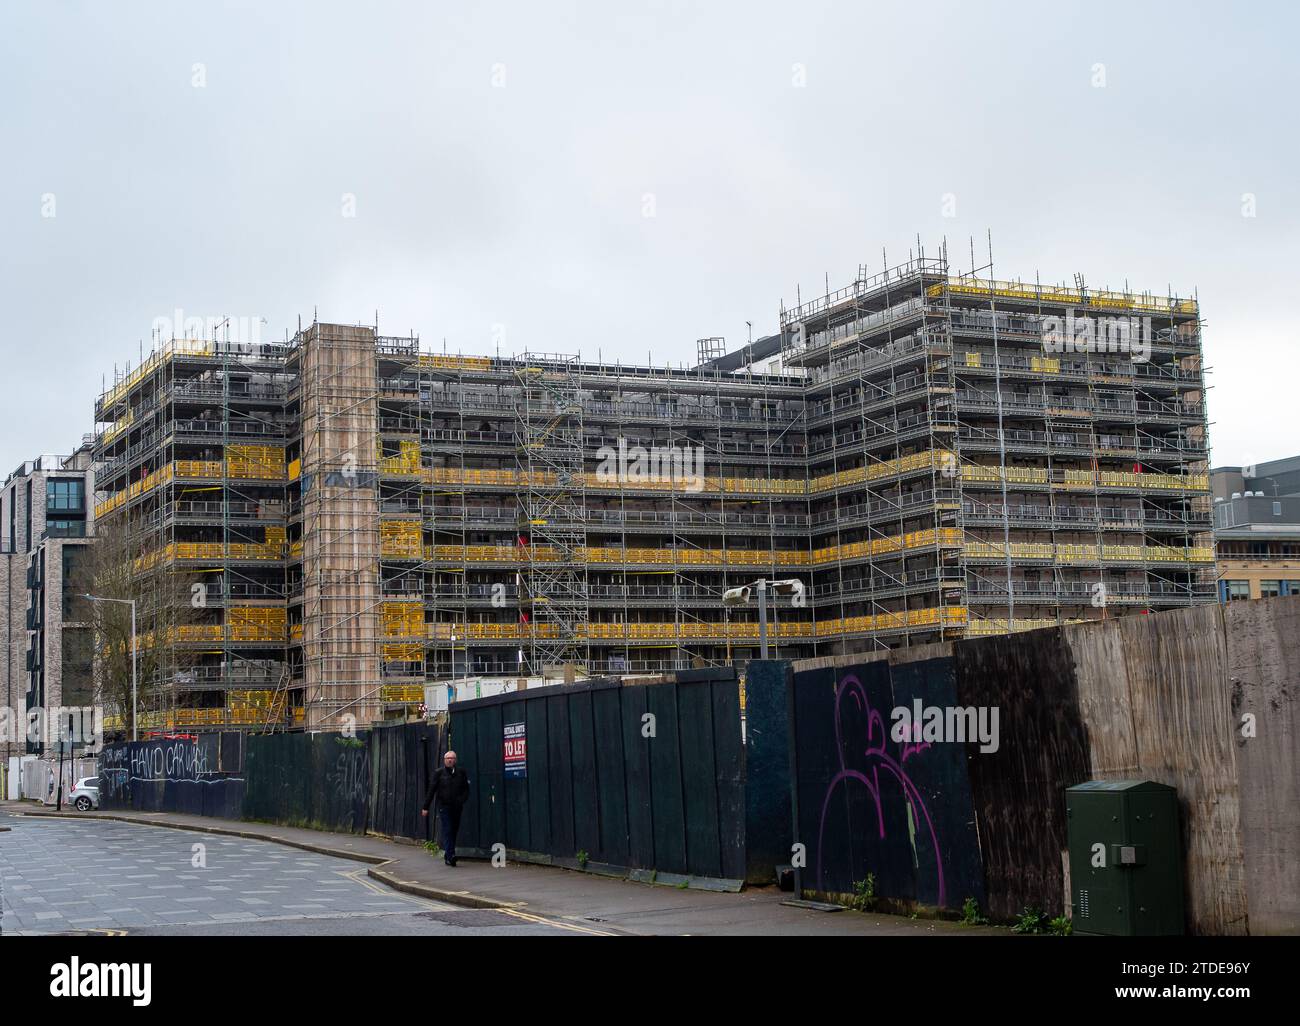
x: 1058, y: 294
x: 261, y: 462
x: 402, y: 653
x: 402, y: 693
x: 402, y: 619
x: 406, y: 461
x: 401, y: 539
x: 476, y: 363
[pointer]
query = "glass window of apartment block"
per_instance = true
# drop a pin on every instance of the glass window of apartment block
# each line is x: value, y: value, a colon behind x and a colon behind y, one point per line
x: 65, y: 495
x: 1237, y: 590
x: 74, y: 583
x: 1270, y: 589
x: 78, y: 666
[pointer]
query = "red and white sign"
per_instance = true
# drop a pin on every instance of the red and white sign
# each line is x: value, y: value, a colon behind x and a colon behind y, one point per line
x: 516, y: 749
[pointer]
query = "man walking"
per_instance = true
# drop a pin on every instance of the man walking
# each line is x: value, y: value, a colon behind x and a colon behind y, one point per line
x: 450, y: 789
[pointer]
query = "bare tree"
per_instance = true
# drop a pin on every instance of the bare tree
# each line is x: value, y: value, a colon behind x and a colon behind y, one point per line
x: 121, y: 564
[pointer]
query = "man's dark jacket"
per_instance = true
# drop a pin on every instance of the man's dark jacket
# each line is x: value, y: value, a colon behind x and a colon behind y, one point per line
x: 450, y: 787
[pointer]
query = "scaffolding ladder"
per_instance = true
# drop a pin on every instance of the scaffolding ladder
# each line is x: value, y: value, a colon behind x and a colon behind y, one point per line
x: 552, y: 531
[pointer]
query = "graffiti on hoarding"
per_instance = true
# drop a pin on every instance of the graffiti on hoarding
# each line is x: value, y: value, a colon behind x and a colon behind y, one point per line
x: 148, y: 761
x: 867, y: 773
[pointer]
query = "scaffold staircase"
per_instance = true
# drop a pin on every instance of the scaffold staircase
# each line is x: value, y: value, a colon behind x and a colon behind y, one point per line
x: 552, y: 513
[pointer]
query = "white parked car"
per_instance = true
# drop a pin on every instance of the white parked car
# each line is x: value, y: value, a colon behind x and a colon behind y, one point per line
x: 85, y: 796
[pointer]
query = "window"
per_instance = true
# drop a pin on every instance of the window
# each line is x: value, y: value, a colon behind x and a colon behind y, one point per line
x: 65, y: 528
x: 78, y: 666
x: 1270, y: 589
x: 1277, y: 509
x: 1235, y: 590
x: 65, y: 495
x: 74, y: 606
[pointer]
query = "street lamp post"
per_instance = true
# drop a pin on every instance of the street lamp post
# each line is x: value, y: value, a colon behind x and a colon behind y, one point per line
x: 134, y: 681
x: 741, y: 596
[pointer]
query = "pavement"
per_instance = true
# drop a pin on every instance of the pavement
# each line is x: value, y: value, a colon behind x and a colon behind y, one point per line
x: 546, y: 896
x: 60, y: 875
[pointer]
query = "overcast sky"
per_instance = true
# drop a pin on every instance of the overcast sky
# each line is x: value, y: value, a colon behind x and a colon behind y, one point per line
x: 624, y: 178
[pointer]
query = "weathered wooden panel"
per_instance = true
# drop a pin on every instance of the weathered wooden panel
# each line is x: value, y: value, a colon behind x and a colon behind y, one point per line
x: 611, y: 775
x: 823, y: 807
x: 582, y: 749
x: 560, y: 782
x: 670, y: 799
x: 231, y: 752
x: 403, y: 758
x: 1019, y: 791
x: 1101, y: 671
x: 896, y: 809
x: 1176, y: 665
x: 168, y: 776
x: 539, y: 777
x: 769, y: 831
x: 636, y: 750
x: 729, y: 767
x: 322, y: 781
x: 699, y: 780
x: 490, y: 785
x: 463, y: 729
x: 1264, y: 678
x: 945, y: 845
x: 339, y: 792
x: 668, y: 808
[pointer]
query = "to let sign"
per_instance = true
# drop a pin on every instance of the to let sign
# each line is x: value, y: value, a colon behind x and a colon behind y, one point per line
x: 516, y: 749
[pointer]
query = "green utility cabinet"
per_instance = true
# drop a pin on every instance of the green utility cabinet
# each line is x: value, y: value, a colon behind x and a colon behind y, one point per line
x: 1126, y: 858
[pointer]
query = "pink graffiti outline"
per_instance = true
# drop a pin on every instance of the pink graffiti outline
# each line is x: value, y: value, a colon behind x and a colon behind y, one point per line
x: 851, y: 685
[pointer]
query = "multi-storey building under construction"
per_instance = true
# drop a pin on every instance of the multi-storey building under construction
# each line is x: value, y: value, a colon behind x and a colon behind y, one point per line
x: 934, y: 456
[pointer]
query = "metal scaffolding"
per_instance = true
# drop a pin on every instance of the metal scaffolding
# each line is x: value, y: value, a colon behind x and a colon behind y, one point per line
x: 549, y: 446
x: 381, y: 518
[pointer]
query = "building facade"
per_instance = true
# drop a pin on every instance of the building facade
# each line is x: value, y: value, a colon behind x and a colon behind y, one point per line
x: 931, y: 456
x: 1257, y: 529
x: 1006, y: 454
x: 46, y: 518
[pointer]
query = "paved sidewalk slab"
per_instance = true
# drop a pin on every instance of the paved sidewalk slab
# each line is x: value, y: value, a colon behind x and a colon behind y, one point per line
x: 613, y: 905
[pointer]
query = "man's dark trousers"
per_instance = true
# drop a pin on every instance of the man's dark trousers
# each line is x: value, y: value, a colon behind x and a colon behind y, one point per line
x: 448, y: 827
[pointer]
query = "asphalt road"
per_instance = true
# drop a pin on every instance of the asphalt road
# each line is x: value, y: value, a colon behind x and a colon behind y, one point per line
x: 69, y: 876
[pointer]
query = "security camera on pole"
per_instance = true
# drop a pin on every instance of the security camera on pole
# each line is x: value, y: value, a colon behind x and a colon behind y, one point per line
x: 741, y: 596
